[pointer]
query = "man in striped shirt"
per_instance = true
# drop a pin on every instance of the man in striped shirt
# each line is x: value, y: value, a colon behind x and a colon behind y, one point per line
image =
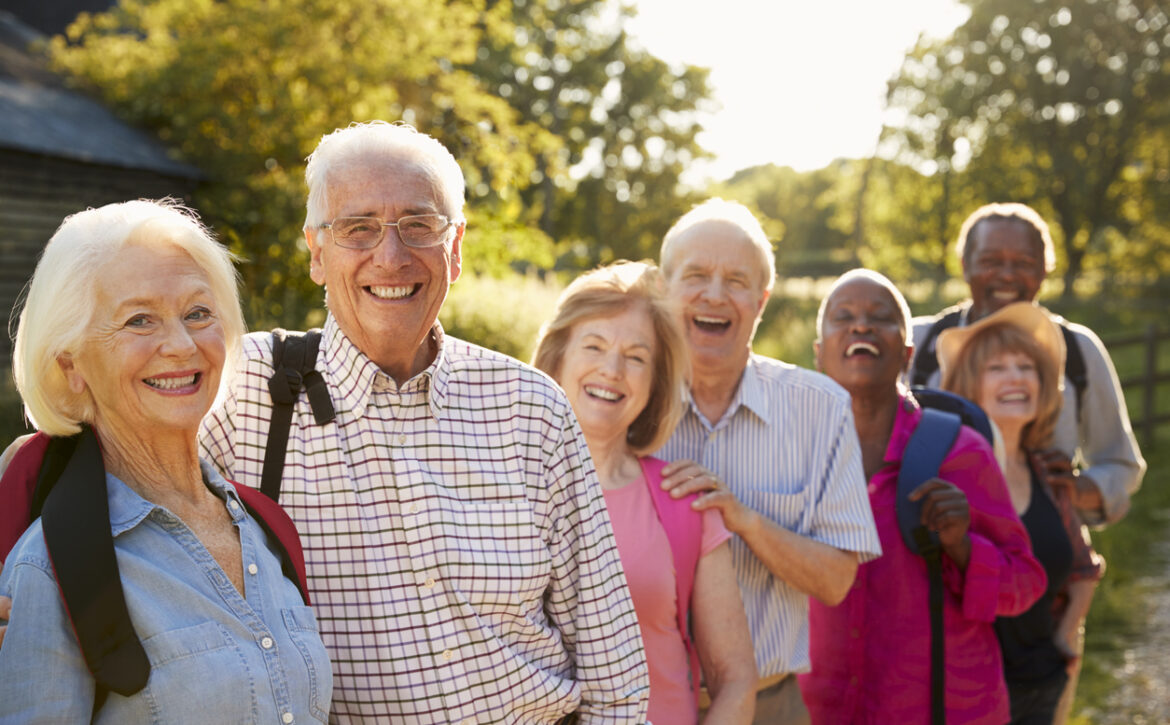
x: 773, y: 445
x: 459, y: 553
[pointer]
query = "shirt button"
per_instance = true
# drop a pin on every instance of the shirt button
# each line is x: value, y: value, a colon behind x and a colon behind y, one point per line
x: 412, y: 509
x: 233, y: 505
x: 266, y: 643
x: 252, y: 568
x: 401, y: 439
x: 286, y: 718
x: 448, y: 654
x: 872, y: 488
x: 468, y: 721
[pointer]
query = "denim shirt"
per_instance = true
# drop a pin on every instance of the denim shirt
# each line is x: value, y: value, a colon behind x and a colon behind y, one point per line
x: 216, y: 656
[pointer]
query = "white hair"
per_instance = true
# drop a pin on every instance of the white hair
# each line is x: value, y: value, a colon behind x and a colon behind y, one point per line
x: 64, y: 285
x: 730, y: 212
x: 882, y: 281
x: 366, y: 143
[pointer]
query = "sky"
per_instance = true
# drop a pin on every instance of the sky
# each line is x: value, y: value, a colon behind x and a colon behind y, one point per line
x: 799, y: 82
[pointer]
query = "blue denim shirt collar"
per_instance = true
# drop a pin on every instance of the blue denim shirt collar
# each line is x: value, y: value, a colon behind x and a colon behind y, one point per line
x: 128, y: 509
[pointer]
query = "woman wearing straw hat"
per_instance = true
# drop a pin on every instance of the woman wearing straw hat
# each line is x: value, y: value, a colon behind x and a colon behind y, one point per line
x: 1012, y: 364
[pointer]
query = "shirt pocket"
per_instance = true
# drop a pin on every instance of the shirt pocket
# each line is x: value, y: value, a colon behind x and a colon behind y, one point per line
x: 317, y: 677
x: 789, y: 510
x: 200, y: 664
x: 497, y: 558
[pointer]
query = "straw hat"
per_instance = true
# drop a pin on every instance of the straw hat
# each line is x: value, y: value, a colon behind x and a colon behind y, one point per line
x: 1028, y: 317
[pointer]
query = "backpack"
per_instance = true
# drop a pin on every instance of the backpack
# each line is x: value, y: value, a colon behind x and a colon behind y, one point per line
x: 943, y: 414
x: 80, y: 544
x: 926, y: 359
x: 62, y: 480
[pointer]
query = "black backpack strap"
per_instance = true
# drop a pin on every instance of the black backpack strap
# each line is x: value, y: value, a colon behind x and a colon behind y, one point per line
x: 1074, y: 365
x: 76, y: 524
x: 928, y: 446
x: 294, y: 358
x: 925, y: 358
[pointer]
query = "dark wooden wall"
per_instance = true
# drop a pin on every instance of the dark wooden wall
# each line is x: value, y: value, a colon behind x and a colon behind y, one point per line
x: 36, y: 193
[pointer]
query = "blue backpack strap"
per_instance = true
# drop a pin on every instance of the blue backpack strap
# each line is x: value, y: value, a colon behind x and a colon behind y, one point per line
x: 928, y: 446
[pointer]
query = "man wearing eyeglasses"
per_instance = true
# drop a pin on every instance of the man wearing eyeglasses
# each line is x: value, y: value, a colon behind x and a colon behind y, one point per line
x: 460, y: 559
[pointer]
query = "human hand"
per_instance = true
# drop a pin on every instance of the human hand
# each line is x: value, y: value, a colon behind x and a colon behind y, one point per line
x: 946, y: 512
x: 5, y: 613
x: 1057, y: 470
x: 1068, y: 639
x: 684, y: 477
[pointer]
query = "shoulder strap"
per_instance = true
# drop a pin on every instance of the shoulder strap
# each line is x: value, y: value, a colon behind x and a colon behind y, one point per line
x: 19, y: 492
x: 684, y: 533
x: 925, y: 358
x: 76, y: 525
x: 281, y: 530
x: 928, y: 446
x: 294, y: 358
x: 1074, y: 365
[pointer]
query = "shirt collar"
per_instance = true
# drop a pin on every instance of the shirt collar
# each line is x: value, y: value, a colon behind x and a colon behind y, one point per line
x: 749, y: 394
x: 128, y: 508
x: 353, y: 377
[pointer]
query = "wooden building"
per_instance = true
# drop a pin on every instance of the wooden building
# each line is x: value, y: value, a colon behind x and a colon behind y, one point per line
x: 61, y: 152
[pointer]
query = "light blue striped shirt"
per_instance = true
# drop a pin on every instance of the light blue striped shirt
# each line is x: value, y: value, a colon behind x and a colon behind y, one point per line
x: 788, y: 449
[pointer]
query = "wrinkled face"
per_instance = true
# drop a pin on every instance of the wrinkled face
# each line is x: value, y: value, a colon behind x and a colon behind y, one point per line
x: 718, y: 282
x: 1004, y: 264
x: 607, y: 371
x: 863, y: 339
x: 155, y: 348
x: 1009, y: 389
x: 386, y: 299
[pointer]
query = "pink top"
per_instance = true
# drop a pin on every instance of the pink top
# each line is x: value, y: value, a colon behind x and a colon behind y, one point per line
x: 646, y: 558
x: 871, y: 654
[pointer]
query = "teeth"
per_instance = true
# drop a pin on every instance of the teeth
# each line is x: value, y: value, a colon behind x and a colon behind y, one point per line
x: 603, y: 393
x: 1005, y: 296
x: 391, y: 293
x: 710, y: 320
x: 1013, y: 397
x: 861, y: 347
x: 171, y: 383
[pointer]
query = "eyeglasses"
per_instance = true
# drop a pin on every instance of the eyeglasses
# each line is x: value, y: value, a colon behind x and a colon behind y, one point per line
x: 365, y: 232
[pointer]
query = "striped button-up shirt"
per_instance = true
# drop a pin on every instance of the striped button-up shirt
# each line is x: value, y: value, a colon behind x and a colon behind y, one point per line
x: 460, y: 557
x: 787, y: 448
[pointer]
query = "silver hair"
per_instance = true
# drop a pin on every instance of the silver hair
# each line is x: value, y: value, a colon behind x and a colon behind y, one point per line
x: 1012, y: 211
x: 730, y: 212
x: 364, y: 143
x: 64, y: 283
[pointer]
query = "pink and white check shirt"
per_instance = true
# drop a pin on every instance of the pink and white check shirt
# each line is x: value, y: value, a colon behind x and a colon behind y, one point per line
x: 460, y: 557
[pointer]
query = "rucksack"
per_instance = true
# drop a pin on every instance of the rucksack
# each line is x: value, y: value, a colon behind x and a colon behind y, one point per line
x: 926, y: 358
x: 943, y: 414
x: 62, y: 480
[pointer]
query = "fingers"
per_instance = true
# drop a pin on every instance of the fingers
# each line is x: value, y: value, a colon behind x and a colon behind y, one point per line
x: 927, y: 487
x: 1053, y: 461
x: 690, y: 478
x: 944, y: 506
x: 5, y: 613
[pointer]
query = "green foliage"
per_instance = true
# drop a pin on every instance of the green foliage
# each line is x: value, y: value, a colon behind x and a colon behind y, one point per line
x: 1062, y: 104
x: 500, y: 313
x: 246, y: 88
x: 625, y: 121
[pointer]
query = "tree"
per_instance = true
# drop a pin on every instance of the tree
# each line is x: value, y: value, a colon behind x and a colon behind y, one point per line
x: 245, y: 89
x: 1061, y: 104
x: 626, y: 122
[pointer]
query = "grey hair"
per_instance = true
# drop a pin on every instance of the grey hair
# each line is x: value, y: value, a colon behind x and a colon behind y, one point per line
x: 64, y: 283
x: 1012, y: 211
x: 363, y: 143
x: 730, y: 212
x: 879, y: 279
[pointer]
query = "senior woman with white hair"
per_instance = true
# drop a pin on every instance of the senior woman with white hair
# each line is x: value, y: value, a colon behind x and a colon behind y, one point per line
x: 130, y: 318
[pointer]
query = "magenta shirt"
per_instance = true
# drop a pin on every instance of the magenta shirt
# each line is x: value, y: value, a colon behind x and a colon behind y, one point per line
x: 871, y: 654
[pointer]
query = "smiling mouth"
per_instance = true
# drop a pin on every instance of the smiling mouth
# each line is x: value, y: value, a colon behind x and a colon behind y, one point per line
x: 392, y: 293
x: 608, y: 396
x: 862, y: 348
x: 1006, y: 296
x: 711, y: 324
x: 173, y: 383
x: 1013, y: 398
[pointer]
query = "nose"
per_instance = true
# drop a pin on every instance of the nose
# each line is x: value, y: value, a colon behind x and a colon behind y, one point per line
x: 391, y: 251
x: 714, y: 289
x: 177, y: 341
x: 612, y: 364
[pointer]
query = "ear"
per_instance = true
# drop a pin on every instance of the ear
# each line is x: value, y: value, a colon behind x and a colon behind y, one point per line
x: 316, y: 263
x: 73, y: 377
x: 456, y: 253
x: 817, y: 356
x: 908, y: 357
